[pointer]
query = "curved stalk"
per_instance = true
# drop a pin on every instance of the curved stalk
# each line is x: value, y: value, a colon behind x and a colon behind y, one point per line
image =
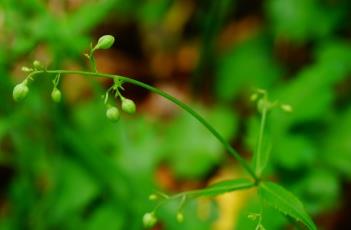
x: 182, y: 105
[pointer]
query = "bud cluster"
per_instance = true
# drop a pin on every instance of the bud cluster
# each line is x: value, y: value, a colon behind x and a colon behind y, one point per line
x: 127, y: 105
x: 21, y: 90
x: 263, y: 103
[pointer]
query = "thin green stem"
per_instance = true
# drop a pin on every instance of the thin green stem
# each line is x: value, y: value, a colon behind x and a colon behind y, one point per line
x: 92, y: 60
x: 260, y: 138
x: 182, y: 105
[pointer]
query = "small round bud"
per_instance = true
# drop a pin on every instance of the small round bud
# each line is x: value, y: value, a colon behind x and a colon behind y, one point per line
x: 261, y: 91
x: 153, y: 197
x: 254, y: 97
x: 149, y: 220
x: 56, y: 95
x: 180, y: 217
x: 286, y: 108
x: 37, y: 65
x: 253, y: 216
x: 112, y: 113
x: 20, y: 91
x: 128, y: 106
x: 105, y: 42
x: 26, y: 69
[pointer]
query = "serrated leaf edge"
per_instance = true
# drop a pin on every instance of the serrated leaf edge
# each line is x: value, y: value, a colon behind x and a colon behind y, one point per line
x: 306, y: 221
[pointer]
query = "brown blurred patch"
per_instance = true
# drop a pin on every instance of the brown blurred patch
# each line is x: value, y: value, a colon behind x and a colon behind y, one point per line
x: 165, y: 179
x: 293, y: 56
x: 187, y: 57
x: 238, y: 31
x: 75, y: 87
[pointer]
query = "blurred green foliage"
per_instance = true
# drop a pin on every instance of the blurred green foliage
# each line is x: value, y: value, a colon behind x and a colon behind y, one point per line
x: 66, y: 167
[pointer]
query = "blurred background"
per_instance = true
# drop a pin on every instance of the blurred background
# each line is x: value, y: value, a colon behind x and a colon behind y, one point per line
x: 65, y: 166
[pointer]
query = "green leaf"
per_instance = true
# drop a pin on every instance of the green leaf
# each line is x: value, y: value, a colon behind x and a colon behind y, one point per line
x: 285, y: 202
x: 222, y: 187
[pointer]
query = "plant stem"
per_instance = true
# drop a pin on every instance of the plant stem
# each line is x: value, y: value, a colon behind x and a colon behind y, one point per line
x: 260, y: 140
x: 92, y: 62
x: 182, y: 105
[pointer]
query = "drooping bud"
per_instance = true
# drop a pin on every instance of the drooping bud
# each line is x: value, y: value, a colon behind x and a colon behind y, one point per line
x: 105, y: 42
x: 56, y: 95
x: 253, y: 216
x: 128, y: 105
x: 149, y: 220
x: 26, y: 69
x: 20, y: 91
x: 112, y: 113
x: 254, y: 97
x: 37, y: 65
x: 180, y: 217
x: 286, y: 108
x: 153, y: 197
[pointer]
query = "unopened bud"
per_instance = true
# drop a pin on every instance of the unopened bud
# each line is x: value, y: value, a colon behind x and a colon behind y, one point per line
x: 180, y: 217
x: 286, y: 108
x: 153, y: 197
x: 128, y: 106
x: 149, y: 220
x: 112, y: 113
x: 105, y: 42
x: 20, y: 91
x: 37, y: 65
x: 56, y: 95
x: 254, y: 97
x: 26, y: 69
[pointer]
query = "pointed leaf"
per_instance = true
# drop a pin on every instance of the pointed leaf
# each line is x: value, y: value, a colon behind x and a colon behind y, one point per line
x: 285, y: 202
x: 222, y: 187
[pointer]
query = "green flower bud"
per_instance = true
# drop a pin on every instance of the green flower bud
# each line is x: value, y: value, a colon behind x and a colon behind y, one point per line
x: 105, y: 42
x: 56, y: 95
x: 26, y: 69
x: 253, y: 216
x: 128, y: 106
x: 20, y: 91
x: 180, y: 217
x: 149, y: 220
x: 153, y: 197
x: 254, y: 97
x: 37, y: 65
x: 112, y: 113
x: 286, y: 108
